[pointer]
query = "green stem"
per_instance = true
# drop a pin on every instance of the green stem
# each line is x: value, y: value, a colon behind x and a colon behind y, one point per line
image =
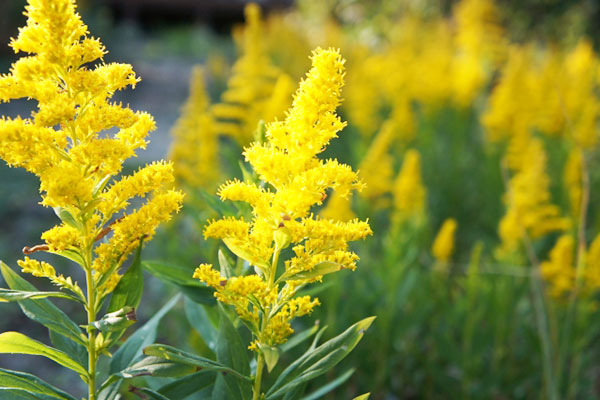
x: 91, y: 313
x: 258, y: 378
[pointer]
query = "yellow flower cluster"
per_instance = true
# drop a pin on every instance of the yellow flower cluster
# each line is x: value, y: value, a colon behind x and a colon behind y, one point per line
x: 294, y: 181
x: 195, y: 142
x: 64, y: 141
x: 552, y: 91
x: 257, y: 89
x: 559, y: 270
x: 443, y: 245
x: 561, y: 273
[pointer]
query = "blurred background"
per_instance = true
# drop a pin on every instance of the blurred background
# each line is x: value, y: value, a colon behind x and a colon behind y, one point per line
x: 461, y: 334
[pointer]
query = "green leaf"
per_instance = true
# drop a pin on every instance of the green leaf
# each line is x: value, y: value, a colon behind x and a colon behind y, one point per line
x: 183, y: 387
x: 181, y: 277
x: 156, y: 366
x: 66, y: 217
x: 225, y: 209
x: 362, y: 397
x: 76, y: 351
x: 225, y: 265
x: 110, y: 392
x: 320, y: 269
x: 317, y: 361
x: 299, y: 338
x: 17, y: 343
x: 173, y: 354
x: 233, y: 354
x: 28, y: 384
x: 241, y: 252
x: 20, y: 394
x: 132, y: 348
x: 42, y: 310
x: 128, y: 292
x: 198, y: 317
x: 319, y: 393
x: 116, y: 321
x: 16, y: 295
x: 145, y: 394
x: 271, y: 355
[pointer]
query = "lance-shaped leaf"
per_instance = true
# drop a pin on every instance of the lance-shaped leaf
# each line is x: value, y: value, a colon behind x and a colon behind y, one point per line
x: 175, y: 355
x: 157, y: 366
x: 128, y: 292
x: 271, y: 355
x: 17, y: 343
x: 16, y: 295
x: 320, y: 269
x: 362, y: 397
x: 317, y: 361
x: 323, y: 390
x: 232, y: 353
x: 42, y: 310
x: 19, y: 385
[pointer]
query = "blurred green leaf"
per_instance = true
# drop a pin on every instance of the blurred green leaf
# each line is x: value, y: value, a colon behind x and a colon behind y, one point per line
x: 317, y: 361
x: 199, y: 383
x: 42, y: 310
x: 362, y: 397
x: 17, y: 343
x: 20, y: 385
x: 198, y: 317
x: 182, y: 278
x: 145, y: 394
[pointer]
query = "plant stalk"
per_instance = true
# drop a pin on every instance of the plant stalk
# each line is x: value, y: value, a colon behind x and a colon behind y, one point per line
x: 91, y: 316
x: 257, y: 379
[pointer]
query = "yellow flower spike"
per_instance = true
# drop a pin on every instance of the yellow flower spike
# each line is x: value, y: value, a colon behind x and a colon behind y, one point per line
x: 195, y: 146
x: 257, y: 90
x: 529, y: 208
x: 295, y: 180
x: 443, y: 245
x: 592, y: 270
x: 37, y: 268
x: 573, y: 181
x: 377, y: 165
x: 409, y: 191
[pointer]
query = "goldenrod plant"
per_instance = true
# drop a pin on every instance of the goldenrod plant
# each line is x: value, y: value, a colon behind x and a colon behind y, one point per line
x: 64, y: 143
x: 284, y: 248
